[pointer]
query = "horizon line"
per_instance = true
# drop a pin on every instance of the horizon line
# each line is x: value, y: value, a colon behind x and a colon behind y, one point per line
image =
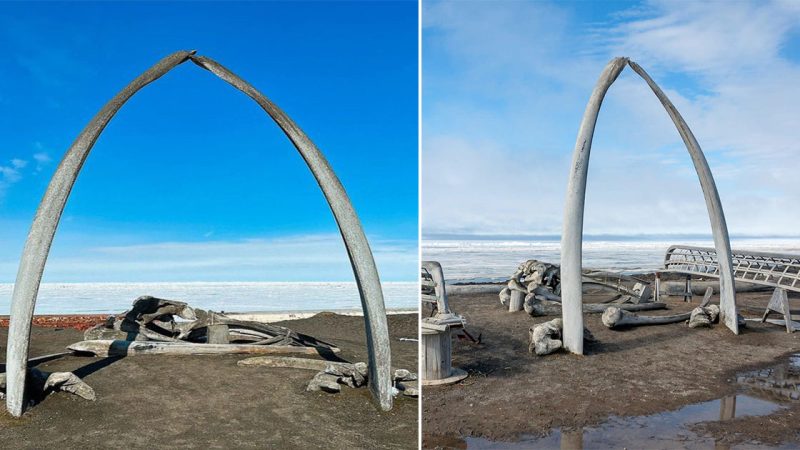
x: 597, y: 236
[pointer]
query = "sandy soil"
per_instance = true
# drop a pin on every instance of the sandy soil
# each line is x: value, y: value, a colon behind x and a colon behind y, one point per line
x: 638, y: 371
x: 209, y: 402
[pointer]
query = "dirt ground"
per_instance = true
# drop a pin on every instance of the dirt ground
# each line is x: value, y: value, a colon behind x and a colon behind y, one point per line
x: 511, y: 392
x: 209, y: 402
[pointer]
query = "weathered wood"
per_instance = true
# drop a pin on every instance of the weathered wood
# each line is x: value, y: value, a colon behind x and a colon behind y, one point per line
x: 779, y: 302
x: 437, y: 355
x: 131, y: 348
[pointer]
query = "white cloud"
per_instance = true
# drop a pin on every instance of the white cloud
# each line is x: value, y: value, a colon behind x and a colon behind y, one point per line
x: 502, y: 112
x: 10, y: 174
x: 41, y: 158
x: 298, y: 258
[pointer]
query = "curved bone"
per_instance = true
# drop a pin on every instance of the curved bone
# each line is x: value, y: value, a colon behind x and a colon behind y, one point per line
x: 572, y: 234
x: 719, y: 227
x: 615, y: 317
x: 515, y: 285
x: 547, y: 294
x: 435, y: 269
x: 50, y: 209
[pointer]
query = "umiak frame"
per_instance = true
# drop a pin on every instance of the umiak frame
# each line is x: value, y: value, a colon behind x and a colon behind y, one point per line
x: 572, y: 233
x: 52, y: 206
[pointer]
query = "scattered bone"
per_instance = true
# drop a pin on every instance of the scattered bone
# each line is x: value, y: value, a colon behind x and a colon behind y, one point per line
x: 537, y: 306
x: 704, y: 316
x: 324, y: 382
x: 404, y: 375
x: 332, y: 374
x: 505, y: 296
x: 619, y: 315
x: 615, y: 317
x: 65, y: 382
x: 288, y: 362
x: 132, y: 348
x: 347, y: 374
x: 408, y: 388
x: 546, y: 337
x: 42, y: 382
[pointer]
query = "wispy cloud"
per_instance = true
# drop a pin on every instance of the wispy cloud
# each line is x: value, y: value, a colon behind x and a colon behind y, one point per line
x: 502, y: 111
x: 319, y: 257
x: 13, y: 171
x: 10, y: 174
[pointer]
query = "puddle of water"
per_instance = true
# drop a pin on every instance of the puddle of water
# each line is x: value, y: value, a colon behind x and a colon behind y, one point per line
x: 764, y: 392
x: 779, y: 382
x: 665, y: 430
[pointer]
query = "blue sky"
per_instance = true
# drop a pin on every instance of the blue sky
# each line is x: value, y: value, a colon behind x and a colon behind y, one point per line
x: 505, y: 85
x: 191, y: 181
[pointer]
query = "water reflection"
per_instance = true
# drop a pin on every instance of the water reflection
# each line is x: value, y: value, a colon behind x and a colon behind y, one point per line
x: 667, y: 430
x: 763, y: 392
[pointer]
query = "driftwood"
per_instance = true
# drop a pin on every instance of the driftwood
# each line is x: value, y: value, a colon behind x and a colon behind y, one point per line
x: 131, y: 348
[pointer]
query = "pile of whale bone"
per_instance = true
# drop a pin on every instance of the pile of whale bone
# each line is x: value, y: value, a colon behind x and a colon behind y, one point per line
x: 332, y: 375
x: 540, y: 283
x: 150, y: 327
x: 545, y: 338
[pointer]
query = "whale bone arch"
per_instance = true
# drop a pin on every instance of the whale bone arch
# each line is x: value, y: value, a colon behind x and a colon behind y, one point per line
x: 48, y: 215
x: 572, y: 233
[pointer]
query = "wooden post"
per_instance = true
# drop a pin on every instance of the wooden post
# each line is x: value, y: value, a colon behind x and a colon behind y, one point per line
x: 658, y: 287
x: 436, y: 356
x: 687, y: 296
x: 779, y: 303
x: 437, y: 353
